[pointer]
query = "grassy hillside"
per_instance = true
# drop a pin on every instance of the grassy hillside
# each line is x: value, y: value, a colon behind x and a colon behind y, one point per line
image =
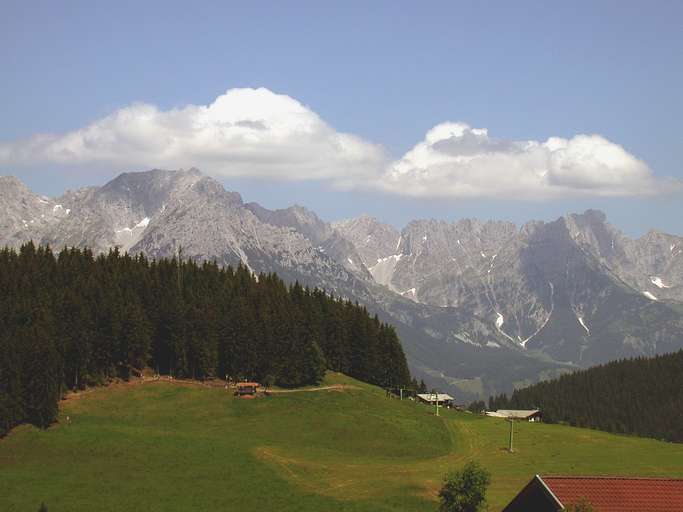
x: 173, y: 447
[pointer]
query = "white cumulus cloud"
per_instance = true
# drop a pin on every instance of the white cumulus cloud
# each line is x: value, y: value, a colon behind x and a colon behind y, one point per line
x: 258, y: 133
x: 456, y: 160
x: 244, y: 132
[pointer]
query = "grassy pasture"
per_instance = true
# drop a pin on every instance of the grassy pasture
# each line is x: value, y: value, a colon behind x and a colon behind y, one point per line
x: 174, y: 447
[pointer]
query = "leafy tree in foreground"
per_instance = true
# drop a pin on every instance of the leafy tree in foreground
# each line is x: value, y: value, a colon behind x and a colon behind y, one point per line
x: 464, y: 490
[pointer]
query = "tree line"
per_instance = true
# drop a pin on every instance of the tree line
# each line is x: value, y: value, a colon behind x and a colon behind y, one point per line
x: 73, y: 320
x: 640, y: 396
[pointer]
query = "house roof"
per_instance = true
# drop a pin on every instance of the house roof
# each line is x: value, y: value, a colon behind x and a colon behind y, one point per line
x: 618, y: 494
x: 430, y: 397
x: 247, y: 384
x: 512, y: 413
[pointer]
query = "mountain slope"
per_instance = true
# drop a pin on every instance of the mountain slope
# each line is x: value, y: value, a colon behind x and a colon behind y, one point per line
x: 637, y: 396
x: 652, y: 263
x: 318, y: 233
x: 25, y: 214
x: 479, y: 306
x: 540, y: 288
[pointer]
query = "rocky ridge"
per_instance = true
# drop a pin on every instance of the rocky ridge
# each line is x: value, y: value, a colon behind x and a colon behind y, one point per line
x: 480, y: 306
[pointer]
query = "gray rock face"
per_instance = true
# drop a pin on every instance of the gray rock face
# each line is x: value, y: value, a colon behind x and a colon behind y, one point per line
x: 652, y: 263
x: 25, y: 215
x: 321, y: 234
x: 159, y: 212
x: 479, y: 306
x: 373, y: 240
x: 576, y: 289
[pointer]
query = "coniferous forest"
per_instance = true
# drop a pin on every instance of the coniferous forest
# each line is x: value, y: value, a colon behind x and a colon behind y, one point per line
x: 73, y: 320
x: 642, y: 396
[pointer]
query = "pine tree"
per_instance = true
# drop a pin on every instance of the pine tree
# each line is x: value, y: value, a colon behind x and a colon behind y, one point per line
x: 74, y: 320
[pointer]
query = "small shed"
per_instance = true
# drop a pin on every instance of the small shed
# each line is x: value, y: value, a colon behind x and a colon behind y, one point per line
x: 247, y: 389
x: 531, y: 415
x: 602, y: 493
x: 442, y: 399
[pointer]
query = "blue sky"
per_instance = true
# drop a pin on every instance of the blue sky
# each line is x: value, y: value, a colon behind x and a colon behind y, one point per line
x: 374, y: 78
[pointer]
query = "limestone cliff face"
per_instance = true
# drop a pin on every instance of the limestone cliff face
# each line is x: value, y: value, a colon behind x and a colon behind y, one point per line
x: 575, y: 289
x: 479, y: 306
x: 652, y: 264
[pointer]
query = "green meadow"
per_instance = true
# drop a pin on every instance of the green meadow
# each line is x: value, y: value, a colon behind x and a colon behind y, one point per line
x: 162, y: 446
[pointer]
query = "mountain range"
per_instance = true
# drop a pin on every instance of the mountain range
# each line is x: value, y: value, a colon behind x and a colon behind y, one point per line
x: 480, y: 306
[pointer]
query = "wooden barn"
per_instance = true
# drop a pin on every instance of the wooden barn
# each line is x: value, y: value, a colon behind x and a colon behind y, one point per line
x: 247, y: 389
x: 603, y: 494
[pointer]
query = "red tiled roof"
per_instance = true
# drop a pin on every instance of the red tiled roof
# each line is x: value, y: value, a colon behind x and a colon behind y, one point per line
x: 619, y: 494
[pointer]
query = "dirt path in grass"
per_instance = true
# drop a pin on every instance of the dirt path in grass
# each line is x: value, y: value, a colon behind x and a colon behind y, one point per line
x: 76, y: 395
x: 335, y: 387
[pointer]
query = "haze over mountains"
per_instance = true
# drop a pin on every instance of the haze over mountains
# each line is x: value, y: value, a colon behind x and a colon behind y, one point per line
x: 479, y: 306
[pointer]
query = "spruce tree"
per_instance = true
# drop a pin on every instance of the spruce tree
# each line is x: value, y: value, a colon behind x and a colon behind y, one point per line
x: 73, y: 320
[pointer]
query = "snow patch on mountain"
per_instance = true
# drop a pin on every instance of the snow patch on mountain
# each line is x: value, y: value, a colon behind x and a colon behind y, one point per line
x: 491, y: 266
x: 126, y: 237
x: 583, y: 324
x: 383, y: 270
x: 657, y: 281
x: 650, y: 296
x: 500, y: 320
x: 411, y: 294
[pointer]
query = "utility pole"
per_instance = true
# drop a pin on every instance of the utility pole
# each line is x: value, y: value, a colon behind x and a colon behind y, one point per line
x: 436, y: 396
x: 512, y: 430
x: 400, y: 390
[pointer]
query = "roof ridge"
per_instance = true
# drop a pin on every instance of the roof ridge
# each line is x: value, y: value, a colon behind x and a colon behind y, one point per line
x: 618, y: 477
x: 548, y: 490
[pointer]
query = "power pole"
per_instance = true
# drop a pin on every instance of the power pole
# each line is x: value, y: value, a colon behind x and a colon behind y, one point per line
x: 512, y: 430
x: 436, y: 395
x: 400, y: 390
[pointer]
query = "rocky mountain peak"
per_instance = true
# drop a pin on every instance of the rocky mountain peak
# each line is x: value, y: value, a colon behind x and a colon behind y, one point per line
x: 296, y: 217
x: 12, y: 183
x: 592, y: 227
x: 575, y: 290
x: 24, y: 215
x: 373, y: 239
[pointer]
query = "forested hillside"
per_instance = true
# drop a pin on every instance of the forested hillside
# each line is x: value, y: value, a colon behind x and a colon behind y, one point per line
x: 73, y: 320
x: 642, y: 396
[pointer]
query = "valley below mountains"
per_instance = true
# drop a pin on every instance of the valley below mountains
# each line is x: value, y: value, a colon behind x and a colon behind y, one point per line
x: 480, y: 307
